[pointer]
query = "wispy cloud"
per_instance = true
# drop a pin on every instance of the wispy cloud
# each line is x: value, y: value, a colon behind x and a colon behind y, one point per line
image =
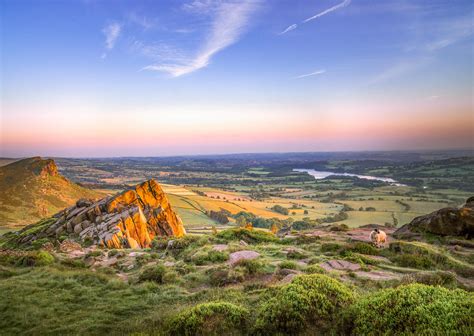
x: 399, y: 69
x: 318, y: 72
x: 111, y: 32
x: 143, y: 21
x: 343, y: 4
x: 450, y: 31
x: 289, y: 28
x: 228, y: 22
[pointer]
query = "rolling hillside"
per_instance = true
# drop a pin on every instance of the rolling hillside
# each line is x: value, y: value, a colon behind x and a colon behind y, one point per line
x: 32, y: 189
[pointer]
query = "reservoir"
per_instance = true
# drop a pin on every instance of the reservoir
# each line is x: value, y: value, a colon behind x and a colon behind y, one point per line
x: 319, y: 175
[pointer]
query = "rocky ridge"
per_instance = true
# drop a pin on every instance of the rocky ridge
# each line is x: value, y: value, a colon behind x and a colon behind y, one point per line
x: 130, y: 219
x: 445, y: 222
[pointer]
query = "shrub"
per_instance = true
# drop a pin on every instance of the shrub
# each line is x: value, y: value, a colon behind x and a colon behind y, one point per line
x: 153, y: 273
x: 213, y: 318
x: 437, y: 278
x: 40, y: 258
x: 222, y: 276
x: 365, y: 248
x: 251, y: 266
x: 310, y: 302
x: 210, y: 257
x: 413, y: 309
x: 340, y: 227
x: 249, y: 236
x: 314, y: 269
x: 296, y: 254
x: 330, y: 247
x: 413, y: 260
x: 288, y: 265
x: 43, y: 258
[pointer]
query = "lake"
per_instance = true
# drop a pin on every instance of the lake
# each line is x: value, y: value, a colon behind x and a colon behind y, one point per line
x: 319, y: 175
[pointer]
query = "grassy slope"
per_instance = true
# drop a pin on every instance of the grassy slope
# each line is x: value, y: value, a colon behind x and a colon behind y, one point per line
x: 27, y: 196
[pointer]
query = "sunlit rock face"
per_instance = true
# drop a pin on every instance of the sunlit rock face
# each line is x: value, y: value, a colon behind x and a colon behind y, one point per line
x: 130, y: 219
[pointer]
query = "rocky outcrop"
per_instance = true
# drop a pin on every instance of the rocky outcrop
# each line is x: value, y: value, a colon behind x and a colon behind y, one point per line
x: 444, y: 222
x: 130, y: 219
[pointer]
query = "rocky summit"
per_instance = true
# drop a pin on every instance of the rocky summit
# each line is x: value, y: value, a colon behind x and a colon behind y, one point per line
x: 446, y: 222
x: 130, y: 219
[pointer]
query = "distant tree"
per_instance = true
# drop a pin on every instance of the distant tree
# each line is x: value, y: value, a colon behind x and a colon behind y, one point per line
x: 280, y: 209
x: 305, y: 212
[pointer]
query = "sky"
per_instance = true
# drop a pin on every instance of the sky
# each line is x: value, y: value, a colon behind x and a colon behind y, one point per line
x: 97, y: 78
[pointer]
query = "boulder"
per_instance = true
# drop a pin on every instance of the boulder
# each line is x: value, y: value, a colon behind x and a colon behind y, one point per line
x: 235, y: 257
x: 444, y: 222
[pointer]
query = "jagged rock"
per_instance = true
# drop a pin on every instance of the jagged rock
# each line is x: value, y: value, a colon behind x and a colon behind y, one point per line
x: 130, y: 219
x: 445, y: 222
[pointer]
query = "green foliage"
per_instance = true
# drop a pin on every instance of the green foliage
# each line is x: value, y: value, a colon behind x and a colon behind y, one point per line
x: 43, y: 258
x: 413, y: 260
x: 436, y: 278
x: 225, y: 275
x: 36, y: 258
x: 296, y: 254
x: 364, y: 248
x: 340, y: 227
x: 249, y: 236
x: 280, y: 209
x: 213, y: 318
x: 251, y: 266
x: 331, y: 247
x: 288, y: 264
x: 413, y: 309
x: 209, y: 257
x: 310, y: 302
x: 153, y: 273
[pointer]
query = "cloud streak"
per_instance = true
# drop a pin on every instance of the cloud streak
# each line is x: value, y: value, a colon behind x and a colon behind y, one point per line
x: 111, y: 32
x: 318, y: 72
x: 229, y: 21
x: 289, y: 28
x: 343, y: 4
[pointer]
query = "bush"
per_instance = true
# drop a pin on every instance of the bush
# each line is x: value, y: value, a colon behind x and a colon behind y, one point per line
x: 154, y: 273
x: 340, y: 227
x: 249, y: 236
x: 288, y: 265
x: 365, y: 248
x: 40, y: 258
x: 437, y: 278
x: 43, y: 258
x: 251, y: 266
x: 222, y: 276
x: 330, y: 247
x: 309, y: 303
x: 413, y: 260
x: 202, y: 258
x: 413, y: 309
x: 213, y: 318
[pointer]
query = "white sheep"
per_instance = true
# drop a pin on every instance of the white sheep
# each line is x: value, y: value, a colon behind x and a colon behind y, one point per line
x: 378, y: 237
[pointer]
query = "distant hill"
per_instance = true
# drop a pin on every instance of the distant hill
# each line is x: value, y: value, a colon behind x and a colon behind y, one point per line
x: 33, y: 188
